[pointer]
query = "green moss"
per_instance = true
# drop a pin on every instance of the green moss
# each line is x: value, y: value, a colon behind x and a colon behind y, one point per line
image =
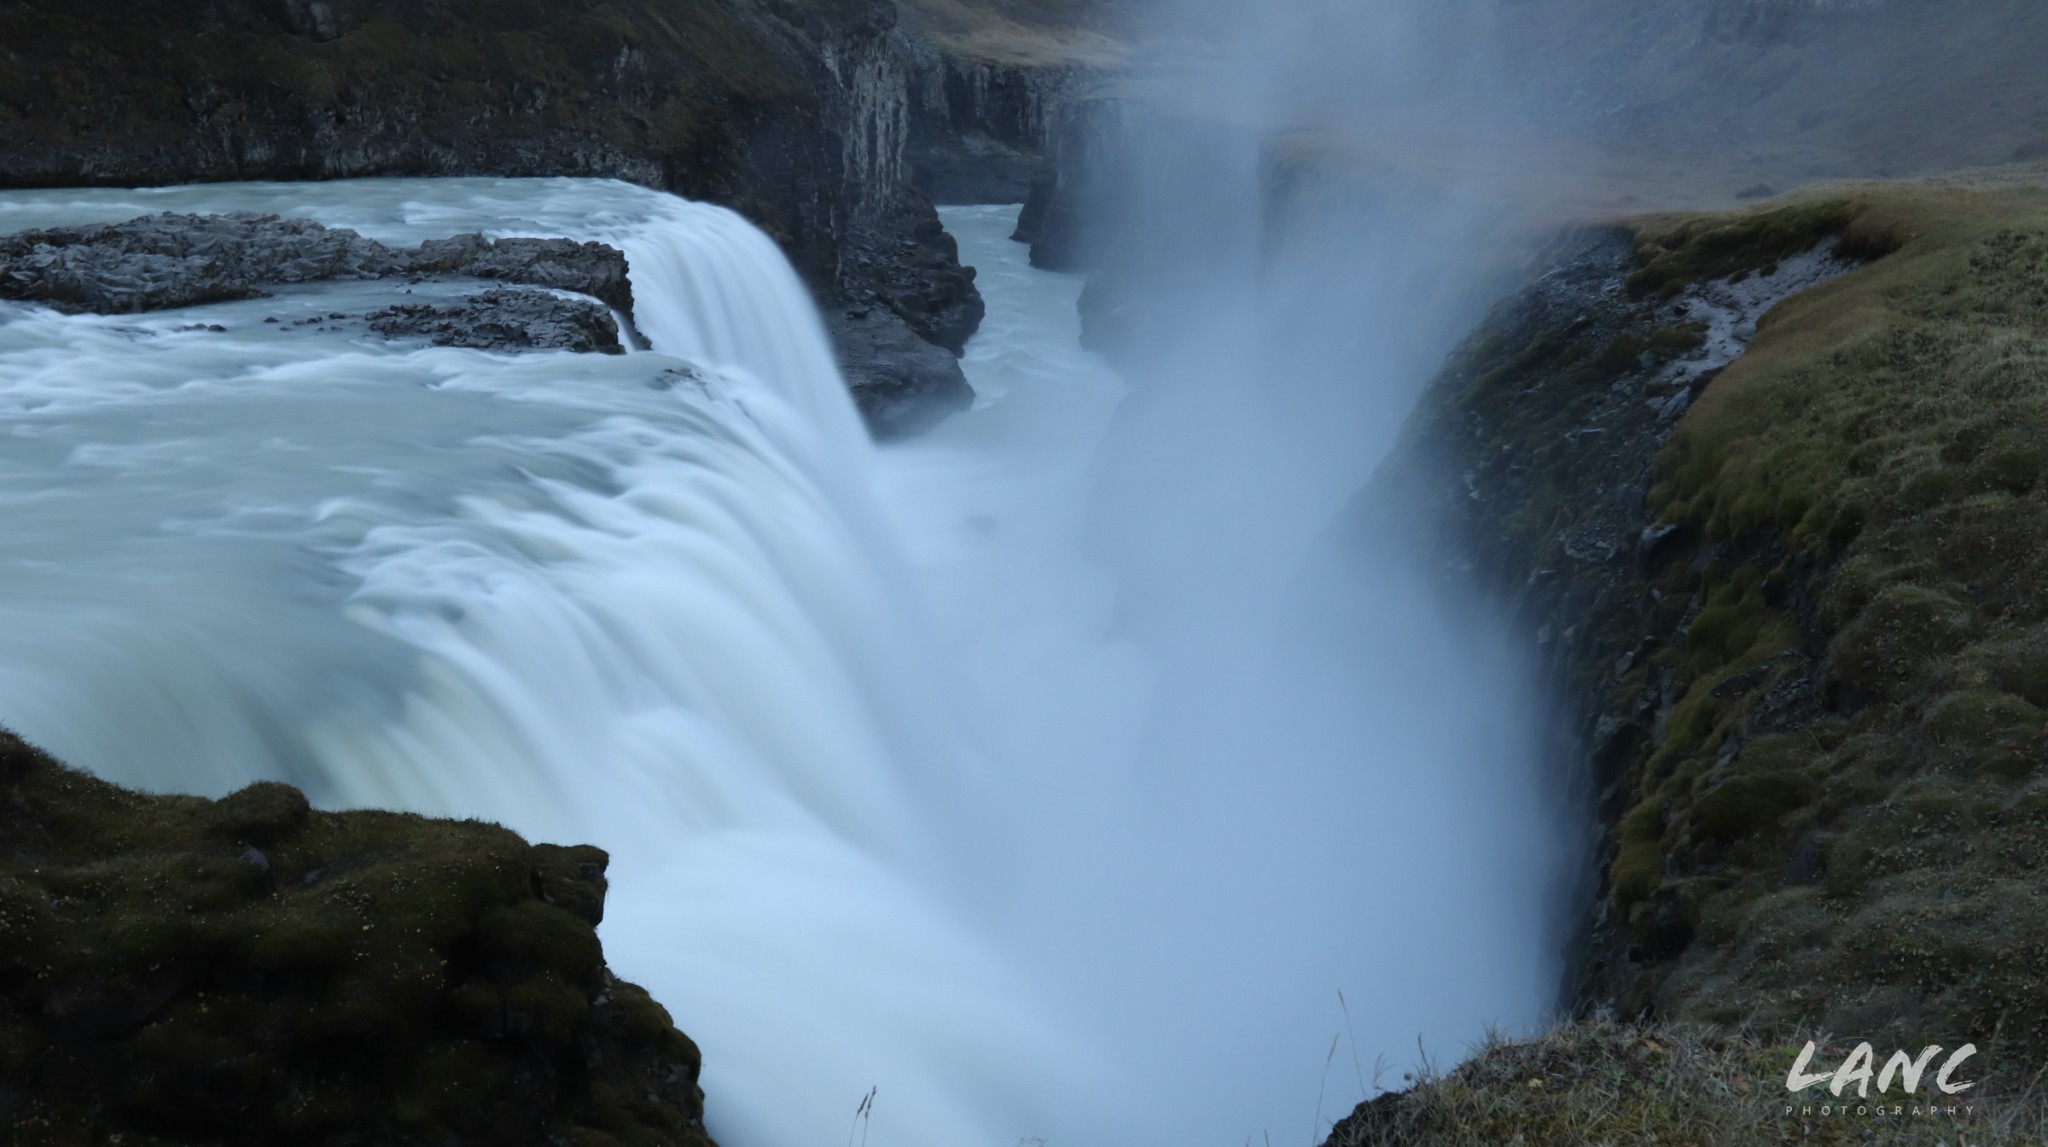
x: 1673, y: 254
x: 1675, y: 342
x: 251, y: 970
x: 1852, y: 684
x: 1889, y: 641
x: 1751, y: 802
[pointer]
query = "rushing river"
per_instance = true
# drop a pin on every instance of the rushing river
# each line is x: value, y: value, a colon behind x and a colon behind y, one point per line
x: 861, y: 728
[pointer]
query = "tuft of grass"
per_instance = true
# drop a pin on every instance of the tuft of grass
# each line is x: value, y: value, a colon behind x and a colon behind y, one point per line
x: 1677, y: 250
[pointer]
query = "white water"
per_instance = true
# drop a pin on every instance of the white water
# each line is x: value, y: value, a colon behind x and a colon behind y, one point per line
x: 858, y: 729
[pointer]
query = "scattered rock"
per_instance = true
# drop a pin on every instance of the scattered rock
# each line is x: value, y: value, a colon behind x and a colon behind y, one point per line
x: 163, y: 261
x: 506, y: 320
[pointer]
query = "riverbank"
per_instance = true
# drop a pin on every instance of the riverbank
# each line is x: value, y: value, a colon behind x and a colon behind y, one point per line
x: 1790, y: 607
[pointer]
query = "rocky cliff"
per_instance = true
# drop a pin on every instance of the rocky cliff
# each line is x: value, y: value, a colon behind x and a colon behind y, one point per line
x: 795, y: 113
x: 1788, y: 592
x: 250, y: 971
x: 983, y: 130
x: 991, y: 84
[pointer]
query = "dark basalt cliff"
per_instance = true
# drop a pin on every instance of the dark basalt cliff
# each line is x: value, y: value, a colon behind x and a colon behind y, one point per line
x: 794, y: 113
x: 248, y: 971
x: 984, y: 130
x: 991, y: 84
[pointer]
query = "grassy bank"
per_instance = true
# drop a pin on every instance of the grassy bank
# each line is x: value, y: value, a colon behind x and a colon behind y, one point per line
x: 1800, y: 645
x: 1867, y: 484
x: 1599, y: 1084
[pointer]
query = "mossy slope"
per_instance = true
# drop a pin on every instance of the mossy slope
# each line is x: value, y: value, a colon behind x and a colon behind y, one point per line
x: 1797, y: 633
x: 249, y: 971
x: 1871, y: 471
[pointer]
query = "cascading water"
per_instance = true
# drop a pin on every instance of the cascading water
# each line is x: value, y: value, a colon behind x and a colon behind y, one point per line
x: 633, y: 600
x: 858, y: 729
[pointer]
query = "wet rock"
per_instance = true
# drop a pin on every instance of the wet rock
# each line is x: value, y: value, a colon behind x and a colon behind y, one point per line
x: 505, y: 320
x: 162, y: 261
x: 1037, y: 201
x: 1656, y: 542
x: 901, y: 383
x: 169, y: 260
x: 981, y: 128
x: 563, y: 264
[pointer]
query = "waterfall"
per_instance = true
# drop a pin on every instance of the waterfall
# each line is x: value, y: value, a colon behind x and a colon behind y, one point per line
x: 858, y: 726
x: 640, y: 601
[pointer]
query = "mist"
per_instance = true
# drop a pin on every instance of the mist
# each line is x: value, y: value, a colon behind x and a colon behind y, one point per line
x: 1321, y: 775
x: 1341, y: 779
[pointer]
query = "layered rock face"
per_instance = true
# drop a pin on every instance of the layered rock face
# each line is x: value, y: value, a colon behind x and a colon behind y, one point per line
x: 991, y: 84
x: 796, y: 114
x: 249, y: 971
x: 983, y: 130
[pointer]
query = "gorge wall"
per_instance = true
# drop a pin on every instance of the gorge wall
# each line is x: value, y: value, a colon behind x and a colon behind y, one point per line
x: 991, y: 85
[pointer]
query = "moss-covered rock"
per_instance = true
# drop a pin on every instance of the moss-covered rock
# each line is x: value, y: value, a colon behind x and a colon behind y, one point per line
x: 250, y: 971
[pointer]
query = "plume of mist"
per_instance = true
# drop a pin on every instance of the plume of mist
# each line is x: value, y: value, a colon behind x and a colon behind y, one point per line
x: 1339, y: 783
x: 1306, y: 205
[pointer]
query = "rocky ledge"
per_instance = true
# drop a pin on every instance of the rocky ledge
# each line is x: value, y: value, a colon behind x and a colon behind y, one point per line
x: 505, y: 320
x: 250, y: 971
x: 165, y: 261
x: 902, y: 383
x: 162, y: 261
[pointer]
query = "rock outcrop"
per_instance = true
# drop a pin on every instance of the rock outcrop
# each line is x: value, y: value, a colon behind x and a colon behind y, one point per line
x: 164, y: 261
x: 248, y: 971
x: 505, y: 320
x: 902, y: 383
x: 158, y: 262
